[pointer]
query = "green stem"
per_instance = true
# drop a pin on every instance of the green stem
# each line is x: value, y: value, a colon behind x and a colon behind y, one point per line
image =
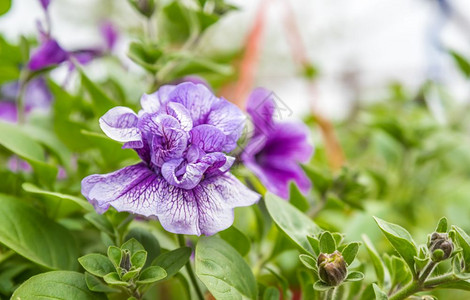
x: 330, y: 294
x: 426, y: 272
x: 405, y: 292
x: 192, y: 276
x: 20, y: 97
x: 446, y: 278
x: 415, y: 286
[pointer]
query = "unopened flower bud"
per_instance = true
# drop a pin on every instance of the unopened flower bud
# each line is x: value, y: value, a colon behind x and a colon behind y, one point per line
x: 441, y: 242
x: 332, y: 268
x: 126, y: 261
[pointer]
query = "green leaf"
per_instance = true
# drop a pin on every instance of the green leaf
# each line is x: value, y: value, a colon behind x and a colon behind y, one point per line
x: 291, y: 221
x: 308, y: 261
x: 132, y: 245
x: 223, y: 270
x: 236, y: 239
x: 145, y: 55
x: 130, y: 275
x: 152, y: 274
x: 457, y: 285
x: 148, y: 240
x: 115, y: 255
x: 60, y: 285
x: 31, y: 188
x: 320, y: 182
x: 4, y: 6
x: 376, y: 260
x: 96, y: 285
x: 297, y: 199
x: 350, y: 252
x: 314, y: 243
x: 321, y: 286
x: 379, y: 294
x: 401, y: 240
x: 464, y: 242
x: 34, y: 236
x: 271, y: 293
x: 462, y: 62
x: 101, y: 102
x: 97, y: 264
x: 113, y: 279
x: 355, y: 276
x: 327, y: 243
x: 100, y: 222
x: 139, y: 258
x: 400, y: 274
x: 173, y: 261
x: 442, y: 225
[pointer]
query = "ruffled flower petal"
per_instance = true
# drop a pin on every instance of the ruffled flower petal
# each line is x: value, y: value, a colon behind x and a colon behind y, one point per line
x: 261, y: 108
x: 208, y: 138
x: 206, y: 209
x: 171, y: 144
x: 178, y: 111
x: 120, y: 124
x: 152, y: 103
x: 230, y: 120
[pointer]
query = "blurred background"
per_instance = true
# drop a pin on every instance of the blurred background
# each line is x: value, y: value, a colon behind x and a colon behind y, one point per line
x: 357, y: 47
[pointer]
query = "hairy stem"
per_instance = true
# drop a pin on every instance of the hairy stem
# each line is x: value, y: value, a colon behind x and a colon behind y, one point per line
x: 415, y: 286
x: 426, y: 272
x: 189, y: 268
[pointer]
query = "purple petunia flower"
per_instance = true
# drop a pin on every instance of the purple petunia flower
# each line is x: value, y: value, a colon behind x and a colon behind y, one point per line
x: 182, y: 134
x: 45, y: 4
x: 275, y: 149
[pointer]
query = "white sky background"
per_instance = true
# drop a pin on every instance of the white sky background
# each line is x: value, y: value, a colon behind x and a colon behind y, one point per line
x: 380, y: 41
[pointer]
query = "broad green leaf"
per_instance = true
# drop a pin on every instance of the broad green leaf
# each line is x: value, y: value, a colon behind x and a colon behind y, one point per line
x: 442, y: 225
x: 96, y: 285
x: 464, y: 242
x: 271, y: 293
x: 400, y: 274
x: 101, y: 102
x: 113, y: 279
x: 152, y: 274
x: 314, y: 243
x: 291, y: 221
x: 31, y: 188
x: 350, y: 252
x: 308, y: 261
x: 320, y: 181
x: 457, y: 285
x: 236, y: 239
x: 132, y: 245
x: 379, y: 294
x: 130, y: 275
x: 115, y: 255
x: 59, y: 285
x: 34, y: 236
x: 138, y: 259
x: 401, y: 240
x: 173, y: 261
x: 355, y: 276
x: 96, y: 264
x: 297, y: 199
x: 223, y: 270
x: 100, y: 222
x: 327, y: 243
x: 148, y: 240
x: 376, y: 260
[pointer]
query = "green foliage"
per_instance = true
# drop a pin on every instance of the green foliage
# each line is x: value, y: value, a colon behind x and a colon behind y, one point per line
x: 224, y: 272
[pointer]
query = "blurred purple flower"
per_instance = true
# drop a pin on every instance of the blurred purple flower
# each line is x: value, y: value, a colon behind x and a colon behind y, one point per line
x: 16, y: 164
x: 276, y: 149
x: 109, y: 34
x: 45, y: 3
x: 181, y: 135
x: 37, y: 97
x: 48, y: 54
x: 194, y: 79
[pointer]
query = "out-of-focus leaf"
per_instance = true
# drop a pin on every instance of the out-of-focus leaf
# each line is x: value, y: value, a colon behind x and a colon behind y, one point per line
x: 101, y: 102
x: 236, y: 239
x: 291, y: 221
x: 379, y: 294
x: 4, y: 6
x: 37, y: 238
x: 148, y: 240
x: 462, y: 62
x: 297, y: 199
x: 376, y: 261
x: 173, y: 261
x: 31, y: 188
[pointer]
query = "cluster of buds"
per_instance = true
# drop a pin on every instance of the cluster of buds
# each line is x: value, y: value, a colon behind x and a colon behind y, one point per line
x: 440, y: 246
x: 332, y: 268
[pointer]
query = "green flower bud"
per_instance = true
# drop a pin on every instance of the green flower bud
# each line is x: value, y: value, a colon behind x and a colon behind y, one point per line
x: 332, y: 268
x: 126, y: 261
x: 145, y: 7
x: 440, y: 246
